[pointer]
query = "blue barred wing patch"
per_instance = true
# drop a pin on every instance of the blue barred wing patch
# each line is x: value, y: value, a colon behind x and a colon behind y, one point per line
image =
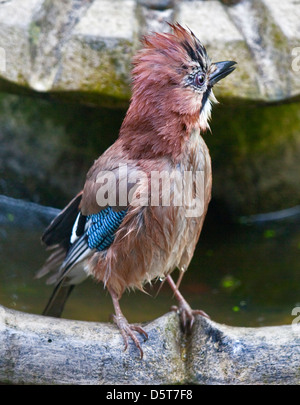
x: 102, y: 227
x: 96, y: 231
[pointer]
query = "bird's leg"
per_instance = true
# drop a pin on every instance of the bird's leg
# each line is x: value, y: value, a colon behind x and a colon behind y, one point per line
x: 186, y: 313
x: 125, y: 328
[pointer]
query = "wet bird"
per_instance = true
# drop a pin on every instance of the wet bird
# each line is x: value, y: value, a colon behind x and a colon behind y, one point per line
x: 142, y: 207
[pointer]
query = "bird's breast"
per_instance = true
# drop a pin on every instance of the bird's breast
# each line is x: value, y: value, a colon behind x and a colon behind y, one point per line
x: 195, y: 154
x: 182, y: 207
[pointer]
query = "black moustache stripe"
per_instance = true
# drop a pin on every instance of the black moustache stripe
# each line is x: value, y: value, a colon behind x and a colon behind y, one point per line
x: 205, y: 98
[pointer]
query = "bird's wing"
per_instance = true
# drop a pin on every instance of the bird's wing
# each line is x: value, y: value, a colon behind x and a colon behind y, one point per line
x: 88, y: 223
x: 91, y: 233
x: 110, y: 184
x: 59, y: 230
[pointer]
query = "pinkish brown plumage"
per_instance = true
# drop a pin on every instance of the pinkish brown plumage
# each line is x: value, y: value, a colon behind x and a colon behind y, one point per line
x: 133, y: 236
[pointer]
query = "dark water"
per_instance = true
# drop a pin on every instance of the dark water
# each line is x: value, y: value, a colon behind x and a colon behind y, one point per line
x: 242, y: 274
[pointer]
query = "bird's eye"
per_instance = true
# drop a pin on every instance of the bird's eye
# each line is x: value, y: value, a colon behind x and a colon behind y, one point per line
x: 199, y: 79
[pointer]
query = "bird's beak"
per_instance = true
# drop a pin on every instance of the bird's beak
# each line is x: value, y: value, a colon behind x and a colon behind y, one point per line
x: 222, y: 70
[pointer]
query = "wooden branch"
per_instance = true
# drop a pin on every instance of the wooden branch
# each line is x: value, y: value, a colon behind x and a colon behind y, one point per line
x: 41, y: 350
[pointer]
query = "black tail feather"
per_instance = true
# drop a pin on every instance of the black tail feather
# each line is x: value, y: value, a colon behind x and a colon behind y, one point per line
x: 58, y: 300
x: 57, y: 236
x: 60, y: 229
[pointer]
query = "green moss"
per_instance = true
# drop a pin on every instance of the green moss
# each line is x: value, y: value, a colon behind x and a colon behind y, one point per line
x: 100, y: 72
x: 34, y: 33
x: 255, y: 153
x: 254, y: 148
x: 47, y: 148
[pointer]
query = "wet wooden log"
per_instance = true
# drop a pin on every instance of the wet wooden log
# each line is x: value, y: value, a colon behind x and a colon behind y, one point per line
x: 42, y: 350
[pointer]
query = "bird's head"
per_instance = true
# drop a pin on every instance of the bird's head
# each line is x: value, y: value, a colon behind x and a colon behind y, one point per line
x: 174, y: 70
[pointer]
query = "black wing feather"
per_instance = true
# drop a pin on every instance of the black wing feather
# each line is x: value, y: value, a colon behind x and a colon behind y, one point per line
x: 60, y: 229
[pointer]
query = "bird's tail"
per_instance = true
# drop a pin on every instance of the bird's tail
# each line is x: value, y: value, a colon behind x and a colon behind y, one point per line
x: 57, y: 238
x: 58, y: 299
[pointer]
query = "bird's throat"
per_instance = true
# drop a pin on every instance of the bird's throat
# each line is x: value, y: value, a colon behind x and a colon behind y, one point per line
x: 157, y: 137
x: 152, y: 130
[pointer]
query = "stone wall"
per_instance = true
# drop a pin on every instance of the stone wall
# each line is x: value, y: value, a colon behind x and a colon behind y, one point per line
x: 83, y: 49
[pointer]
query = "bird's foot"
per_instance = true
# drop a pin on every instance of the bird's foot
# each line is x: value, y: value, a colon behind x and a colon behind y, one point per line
x: 127, y: 330
x: 187, y: 315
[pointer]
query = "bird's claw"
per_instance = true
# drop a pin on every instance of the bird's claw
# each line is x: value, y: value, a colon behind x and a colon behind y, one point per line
x: 187, y: 315
x: 127, y: 330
